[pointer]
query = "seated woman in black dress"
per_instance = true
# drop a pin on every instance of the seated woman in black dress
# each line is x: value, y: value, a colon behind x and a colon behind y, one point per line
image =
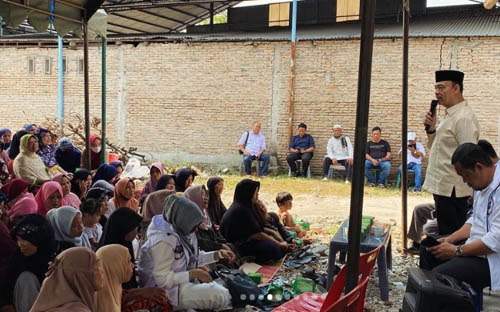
x: 243, y: 225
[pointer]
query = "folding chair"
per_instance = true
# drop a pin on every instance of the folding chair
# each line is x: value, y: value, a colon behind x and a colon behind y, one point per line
x: 311, y: 302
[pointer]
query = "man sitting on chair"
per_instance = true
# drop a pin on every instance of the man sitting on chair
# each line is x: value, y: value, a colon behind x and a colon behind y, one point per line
x: 415, y: 153
x: 338, y: 152
x: 252, y: 145
x: 378, y: 156
x: 301, y: 148
x: 477, y: 261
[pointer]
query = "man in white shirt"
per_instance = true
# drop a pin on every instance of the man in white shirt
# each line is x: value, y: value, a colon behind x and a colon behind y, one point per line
x: 477, y: 261
x: 338, y: 152
x: 458, y: 126
x: 415, y: 152
x: 252, y: 146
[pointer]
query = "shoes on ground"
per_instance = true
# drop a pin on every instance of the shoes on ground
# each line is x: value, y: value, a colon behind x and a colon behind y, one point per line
x: 325, y: 179
x: 371, y: 184
x: 381, y: 185
x: 347, y: 182
x: 416, y: 191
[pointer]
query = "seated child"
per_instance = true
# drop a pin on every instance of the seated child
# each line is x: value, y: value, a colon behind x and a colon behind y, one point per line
x: 92, y: 229
x: 284, y: 202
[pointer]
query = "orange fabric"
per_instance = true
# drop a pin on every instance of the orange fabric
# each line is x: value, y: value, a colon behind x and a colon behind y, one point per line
x: 120, y: 200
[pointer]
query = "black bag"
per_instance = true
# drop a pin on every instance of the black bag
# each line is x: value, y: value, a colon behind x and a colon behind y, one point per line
x: 432, y: 292
x: 242, y: 288
x: 244, y: 145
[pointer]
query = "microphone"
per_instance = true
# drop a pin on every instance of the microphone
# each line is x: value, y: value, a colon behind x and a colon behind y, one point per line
x: 434, y: 103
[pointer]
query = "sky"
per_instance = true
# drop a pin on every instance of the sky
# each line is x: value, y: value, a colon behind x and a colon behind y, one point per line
x: 430, y: 3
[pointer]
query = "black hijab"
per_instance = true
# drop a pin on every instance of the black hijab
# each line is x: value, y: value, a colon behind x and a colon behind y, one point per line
x: 79, y: 175
x: 121, y: 222
x: 216, y: 207
x: 35, y: 229
x: 181, y: 177
x: 244, y: 191
x: 15, y: 142
x: 163, y: 180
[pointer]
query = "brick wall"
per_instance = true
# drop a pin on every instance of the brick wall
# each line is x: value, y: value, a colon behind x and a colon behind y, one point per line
x: 190, y: 102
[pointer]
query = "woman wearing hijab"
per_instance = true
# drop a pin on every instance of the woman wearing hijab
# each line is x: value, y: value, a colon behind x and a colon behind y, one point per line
x: 170, y: 259
x: 155, y: 173
x: 102, y: 197
x: 208, y: 239
x: 71, y: 199
x: 23, y: 206
x: 243, y: 226
x: 166, y: 182
x: 184, y: 177
x: 118, y: 268
x: 27, y: 267
x: 121, y: 228
x: 28, y: 165
x: 46, y: 150
x: 216, y: 207
x: 123, y: 196
x: 119, y: 167
x: 154, y: 202
x: 67, y: 224
x: 5, y: 137
x: 81, y: 182
x: 13, y: 150
x: 71, y: 283
x: 49, y: 196
x: 107, y: 173
x: 95, y: 153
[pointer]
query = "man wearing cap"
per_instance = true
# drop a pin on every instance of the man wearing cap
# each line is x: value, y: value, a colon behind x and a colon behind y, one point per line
x: 458, y: 126
x: 415, y: 152
x: 67, y: 156
x: 301, y: 148
x: 338, y: 152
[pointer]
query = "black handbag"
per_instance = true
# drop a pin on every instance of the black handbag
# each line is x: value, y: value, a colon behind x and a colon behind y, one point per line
x: 244, y: 145
x: 242, y: 288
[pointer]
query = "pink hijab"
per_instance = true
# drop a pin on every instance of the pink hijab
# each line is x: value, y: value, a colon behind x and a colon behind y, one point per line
x: 47, y: 189
x: 25, y: 205
x: 71, y: 199
x: 151, y: 184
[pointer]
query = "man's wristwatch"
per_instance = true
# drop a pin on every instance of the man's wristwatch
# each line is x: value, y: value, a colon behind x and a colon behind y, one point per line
x: 458, y: 251
x: 220, y: 254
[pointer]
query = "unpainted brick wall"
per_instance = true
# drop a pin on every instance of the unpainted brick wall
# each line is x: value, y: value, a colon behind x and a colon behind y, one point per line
x: 194, y: 100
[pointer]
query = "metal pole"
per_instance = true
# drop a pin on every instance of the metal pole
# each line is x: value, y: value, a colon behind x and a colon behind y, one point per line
x: 103, y: 99
x: 362, y: 113
x: 404, y: 128
x: 86, y: 91
x: 60, y: 77
x: 292, y: 69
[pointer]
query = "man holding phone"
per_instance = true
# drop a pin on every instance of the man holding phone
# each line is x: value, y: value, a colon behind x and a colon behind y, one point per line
x: 477, y: 261
x: 458, y: 126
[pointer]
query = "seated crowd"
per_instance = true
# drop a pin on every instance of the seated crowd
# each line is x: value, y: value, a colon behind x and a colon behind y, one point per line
x: 79, y: 240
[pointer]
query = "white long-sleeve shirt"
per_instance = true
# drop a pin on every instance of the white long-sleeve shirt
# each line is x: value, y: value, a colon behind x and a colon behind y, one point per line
x: 335, y: 149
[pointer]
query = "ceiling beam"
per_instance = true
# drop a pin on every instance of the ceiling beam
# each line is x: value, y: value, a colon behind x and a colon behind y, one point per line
x: 182, y: 12
x: 162, y: 16
x: 149, y: 5
x: 140, y: 21
x: 126, y: 27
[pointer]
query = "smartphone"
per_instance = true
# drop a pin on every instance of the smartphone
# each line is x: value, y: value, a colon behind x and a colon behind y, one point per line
x: 429, y: 241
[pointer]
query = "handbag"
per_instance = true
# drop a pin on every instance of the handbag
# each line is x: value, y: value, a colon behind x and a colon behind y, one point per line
x: 244, y: 291
x: 244, y: 145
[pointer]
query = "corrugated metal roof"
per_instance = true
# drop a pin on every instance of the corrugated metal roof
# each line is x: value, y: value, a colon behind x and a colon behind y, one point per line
x: 471, y: 22
x: 148, y: 17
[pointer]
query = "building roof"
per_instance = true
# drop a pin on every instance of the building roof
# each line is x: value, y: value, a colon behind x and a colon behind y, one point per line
x: 473, y: 21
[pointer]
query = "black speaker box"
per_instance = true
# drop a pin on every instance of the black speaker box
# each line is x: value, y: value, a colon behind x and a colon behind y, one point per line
x: 434, y: 292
